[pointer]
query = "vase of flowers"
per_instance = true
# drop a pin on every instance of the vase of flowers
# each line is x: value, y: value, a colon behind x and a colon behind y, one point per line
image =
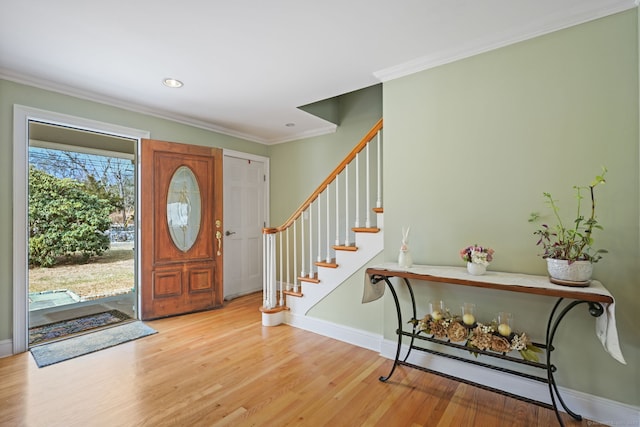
x: 569, y: 249
x: 477, y: 258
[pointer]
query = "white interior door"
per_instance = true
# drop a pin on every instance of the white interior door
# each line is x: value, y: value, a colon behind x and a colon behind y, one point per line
x: 245, y: 214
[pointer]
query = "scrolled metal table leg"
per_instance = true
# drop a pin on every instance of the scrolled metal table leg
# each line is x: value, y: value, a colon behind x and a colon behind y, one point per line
x: 596, y: 310
x: 376, y: 279
x: 413, y: 305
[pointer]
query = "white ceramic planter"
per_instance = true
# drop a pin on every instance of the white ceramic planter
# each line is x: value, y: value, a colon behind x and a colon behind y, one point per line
x: 476, y: 269
x: 577, y: 271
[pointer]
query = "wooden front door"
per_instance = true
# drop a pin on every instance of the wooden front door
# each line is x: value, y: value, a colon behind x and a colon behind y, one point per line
x: 181, y: 228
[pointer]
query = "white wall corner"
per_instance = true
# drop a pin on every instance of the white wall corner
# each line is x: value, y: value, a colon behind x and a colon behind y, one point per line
x: 6, y: 348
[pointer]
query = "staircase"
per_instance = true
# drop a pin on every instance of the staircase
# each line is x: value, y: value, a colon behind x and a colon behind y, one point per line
x: 335, y: 232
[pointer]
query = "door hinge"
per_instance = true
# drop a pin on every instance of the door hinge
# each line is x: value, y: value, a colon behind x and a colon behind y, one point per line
x: 264, y: 178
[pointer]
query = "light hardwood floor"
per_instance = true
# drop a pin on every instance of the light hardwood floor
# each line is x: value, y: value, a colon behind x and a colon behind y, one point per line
x: 223, y: 368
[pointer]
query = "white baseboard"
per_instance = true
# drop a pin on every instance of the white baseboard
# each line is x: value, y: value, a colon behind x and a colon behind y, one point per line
x: 346, y: 334
x: 6, y: 348
x: 599, y: 409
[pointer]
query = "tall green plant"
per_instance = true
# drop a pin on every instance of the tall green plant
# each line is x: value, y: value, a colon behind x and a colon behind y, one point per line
x: 571, y: 243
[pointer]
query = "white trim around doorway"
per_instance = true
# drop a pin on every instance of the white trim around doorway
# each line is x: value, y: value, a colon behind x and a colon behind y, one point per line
x: 21, y: 117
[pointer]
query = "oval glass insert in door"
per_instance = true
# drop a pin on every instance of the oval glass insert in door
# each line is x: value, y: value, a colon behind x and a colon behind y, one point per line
x: 184, y: 208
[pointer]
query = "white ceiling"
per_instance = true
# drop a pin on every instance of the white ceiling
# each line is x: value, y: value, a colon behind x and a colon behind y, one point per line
x: 248, y: 64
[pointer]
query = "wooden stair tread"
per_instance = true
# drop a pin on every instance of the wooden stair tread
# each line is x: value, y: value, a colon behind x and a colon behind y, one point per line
x: 331, y: 264
x: 366, y: 229
x: 378, y: 210
x: 293, y: 293
x: 274, y: 309
x: 309, y: 279
x: 345, y: 248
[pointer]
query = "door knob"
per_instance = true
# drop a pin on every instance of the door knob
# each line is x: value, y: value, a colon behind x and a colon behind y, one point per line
x: 229, y: 233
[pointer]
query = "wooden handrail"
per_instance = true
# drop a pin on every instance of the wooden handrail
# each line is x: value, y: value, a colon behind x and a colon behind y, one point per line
x: 363, y: 142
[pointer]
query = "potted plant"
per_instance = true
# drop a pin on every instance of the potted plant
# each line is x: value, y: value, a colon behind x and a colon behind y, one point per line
x: 568, y: 247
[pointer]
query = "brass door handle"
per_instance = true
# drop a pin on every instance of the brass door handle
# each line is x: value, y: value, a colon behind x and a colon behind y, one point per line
x: 219, y: 237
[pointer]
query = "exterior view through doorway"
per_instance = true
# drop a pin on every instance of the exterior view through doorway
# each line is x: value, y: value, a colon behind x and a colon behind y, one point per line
x: 81, y: 207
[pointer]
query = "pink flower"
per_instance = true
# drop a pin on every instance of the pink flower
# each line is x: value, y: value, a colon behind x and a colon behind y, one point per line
x: 477, y: 254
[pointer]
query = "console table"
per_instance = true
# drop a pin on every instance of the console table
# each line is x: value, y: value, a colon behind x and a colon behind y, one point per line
x: 593, y: 296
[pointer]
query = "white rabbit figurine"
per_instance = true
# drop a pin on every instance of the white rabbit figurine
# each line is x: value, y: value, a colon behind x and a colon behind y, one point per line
x: 404, y: 257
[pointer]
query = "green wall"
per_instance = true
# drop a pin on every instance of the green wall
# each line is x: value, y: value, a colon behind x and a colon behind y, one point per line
x: 470, y: 147
x: 13, y: 93
x: 298, y: 167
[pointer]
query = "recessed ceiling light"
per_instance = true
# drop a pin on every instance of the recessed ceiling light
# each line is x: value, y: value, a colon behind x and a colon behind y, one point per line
x: 171, y: 82
x: 290, y: 125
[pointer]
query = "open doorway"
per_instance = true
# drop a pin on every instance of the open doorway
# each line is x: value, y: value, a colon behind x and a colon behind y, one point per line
x: 22, y: 119
x: 82, y: 190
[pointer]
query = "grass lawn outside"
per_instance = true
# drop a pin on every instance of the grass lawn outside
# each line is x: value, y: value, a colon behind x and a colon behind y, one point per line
x: 109, y: 274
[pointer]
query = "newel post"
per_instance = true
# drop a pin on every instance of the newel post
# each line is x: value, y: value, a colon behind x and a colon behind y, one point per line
x: 271, y: 313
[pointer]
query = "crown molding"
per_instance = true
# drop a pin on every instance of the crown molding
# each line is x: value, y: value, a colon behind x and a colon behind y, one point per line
x: 136, y: 108
x: 330, y: 128
x: 113, y: 102
x: 488, y: 44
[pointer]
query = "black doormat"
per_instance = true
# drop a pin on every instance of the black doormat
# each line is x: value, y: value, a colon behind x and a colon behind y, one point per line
x: 66, y: 328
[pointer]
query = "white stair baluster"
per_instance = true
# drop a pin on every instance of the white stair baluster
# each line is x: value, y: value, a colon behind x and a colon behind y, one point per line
x: 328, y: 226
x: 272, y: 270
x: 302, y: 243
x: 337, y: 212
x: 281, y: 294
x: 357, y: 222
x: 311, y: 266
x: 288, y: 261
x: 346, y: 204
x: 319, y: 255
x: 379, y: 172
x: 295, y: 257
x: 367, y: 222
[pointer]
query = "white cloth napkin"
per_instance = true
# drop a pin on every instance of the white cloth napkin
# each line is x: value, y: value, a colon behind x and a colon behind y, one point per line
x: 372, y: 291
x: 607, y: 332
